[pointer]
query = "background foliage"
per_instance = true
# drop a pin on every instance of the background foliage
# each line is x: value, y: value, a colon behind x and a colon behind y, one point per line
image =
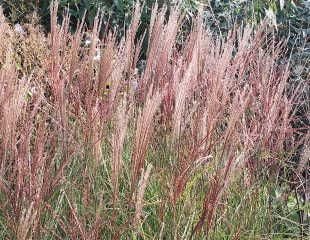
x: 290, y: 18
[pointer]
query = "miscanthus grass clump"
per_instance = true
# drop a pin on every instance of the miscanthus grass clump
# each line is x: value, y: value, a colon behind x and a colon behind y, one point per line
x: 190, y: 146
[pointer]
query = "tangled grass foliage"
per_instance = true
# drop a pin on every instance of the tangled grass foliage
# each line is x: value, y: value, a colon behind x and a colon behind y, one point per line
x: 92, y: 148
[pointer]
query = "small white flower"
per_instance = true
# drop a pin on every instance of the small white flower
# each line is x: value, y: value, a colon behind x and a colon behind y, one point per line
x: 87, y: 42
x: 19, y: 29
x: 97, y: 56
